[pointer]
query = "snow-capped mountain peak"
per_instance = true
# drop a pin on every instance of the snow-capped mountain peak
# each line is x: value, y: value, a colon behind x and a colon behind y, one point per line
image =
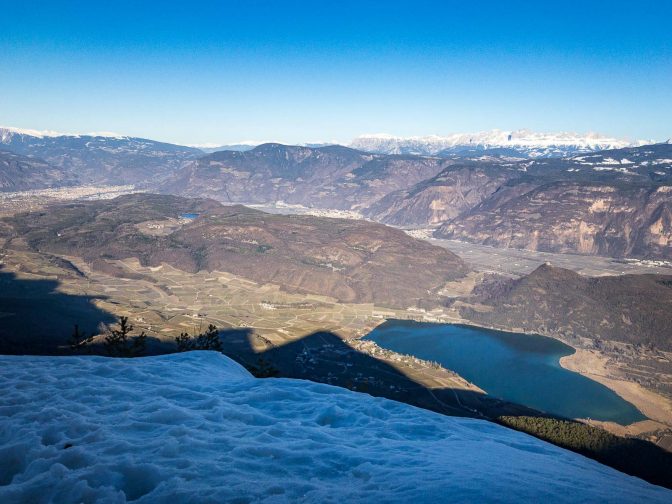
x: 7, y: 132
x: 525, y: 142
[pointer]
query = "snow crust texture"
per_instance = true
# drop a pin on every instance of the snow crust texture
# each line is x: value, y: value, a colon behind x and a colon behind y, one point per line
x: 197, y: 427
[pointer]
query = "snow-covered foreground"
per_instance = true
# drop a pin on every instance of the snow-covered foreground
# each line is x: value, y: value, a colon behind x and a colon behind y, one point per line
x: 197, y: 427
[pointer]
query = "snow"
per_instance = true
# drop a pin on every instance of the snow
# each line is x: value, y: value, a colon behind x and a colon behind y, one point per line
x: 210, y: 145
x: 540, y: 144
x: 6, y: 132
x: 196, y: 427
x: 250, y: 144
x: 613, y: 168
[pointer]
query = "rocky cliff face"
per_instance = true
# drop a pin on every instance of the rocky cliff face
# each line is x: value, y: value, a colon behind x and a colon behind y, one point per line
x: 570, y: 217
x: 614, y: 203
x: 432, y: 202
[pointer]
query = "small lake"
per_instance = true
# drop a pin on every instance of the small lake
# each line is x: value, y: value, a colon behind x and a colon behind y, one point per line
x: 189, y: 216
x: 519, y: 368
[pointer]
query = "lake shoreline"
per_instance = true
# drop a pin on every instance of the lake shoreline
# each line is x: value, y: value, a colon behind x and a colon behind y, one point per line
x: 657, y: 408
x: 594, y: 366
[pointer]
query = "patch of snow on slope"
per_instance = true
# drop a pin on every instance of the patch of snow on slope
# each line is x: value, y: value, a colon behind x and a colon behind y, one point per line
x: 197, y: 427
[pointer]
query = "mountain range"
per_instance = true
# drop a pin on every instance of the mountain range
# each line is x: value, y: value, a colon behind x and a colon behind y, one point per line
x: 21, y: 173
x: 520, y: 143
x: 326, y: 177
x: 613, y: 202
x: 99, y: 158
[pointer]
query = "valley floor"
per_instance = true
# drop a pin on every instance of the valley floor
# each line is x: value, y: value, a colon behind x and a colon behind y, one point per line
x: 25, y: 201
x: 515, y: 262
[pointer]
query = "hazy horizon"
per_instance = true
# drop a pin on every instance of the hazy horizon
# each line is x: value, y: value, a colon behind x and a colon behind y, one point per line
x: 317, y: 141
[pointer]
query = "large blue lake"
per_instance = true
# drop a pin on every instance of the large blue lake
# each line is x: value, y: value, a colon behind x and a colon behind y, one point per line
x: 519, y: 368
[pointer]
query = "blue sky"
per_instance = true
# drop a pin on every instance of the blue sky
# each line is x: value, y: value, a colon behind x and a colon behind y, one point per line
x: 297, y: 71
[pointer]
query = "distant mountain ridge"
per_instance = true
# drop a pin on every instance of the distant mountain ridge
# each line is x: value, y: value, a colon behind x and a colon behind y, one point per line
x: 7, y: 132
x: 523, y: 143
x: 247, y: 146
x: 99, y: 158
x: 334, y: 177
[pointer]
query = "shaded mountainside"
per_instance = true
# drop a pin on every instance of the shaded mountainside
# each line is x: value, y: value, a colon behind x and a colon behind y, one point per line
x: 93, y: 159
x: 325, y: 177
x: 554, y: 301
x: 354, y: 261
x: 22, y: 173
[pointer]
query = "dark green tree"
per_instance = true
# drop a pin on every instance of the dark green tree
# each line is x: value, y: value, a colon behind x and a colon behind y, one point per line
x: 208, y: 340
x: 120, y: 343
x: 263, y: 369
x: 79, y: 341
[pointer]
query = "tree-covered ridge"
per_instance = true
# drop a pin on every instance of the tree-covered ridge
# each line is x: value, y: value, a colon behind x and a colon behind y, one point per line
x: 632, y: 456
